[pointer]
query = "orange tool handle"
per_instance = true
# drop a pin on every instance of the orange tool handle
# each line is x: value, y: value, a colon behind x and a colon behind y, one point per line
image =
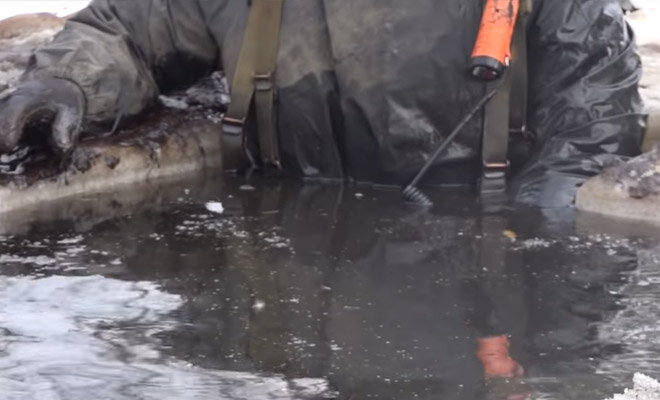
x: 492, y: 49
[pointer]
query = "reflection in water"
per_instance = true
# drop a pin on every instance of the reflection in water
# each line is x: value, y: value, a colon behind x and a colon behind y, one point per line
x: 319, y: 291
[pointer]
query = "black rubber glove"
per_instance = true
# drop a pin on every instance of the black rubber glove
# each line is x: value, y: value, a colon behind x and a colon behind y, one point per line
x: 57, y: 105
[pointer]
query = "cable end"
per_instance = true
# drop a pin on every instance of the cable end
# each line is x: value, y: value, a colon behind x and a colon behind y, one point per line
x: 415, y: 196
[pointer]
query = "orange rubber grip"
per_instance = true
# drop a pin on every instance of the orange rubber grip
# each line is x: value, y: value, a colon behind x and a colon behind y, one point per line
x: 496, y: 30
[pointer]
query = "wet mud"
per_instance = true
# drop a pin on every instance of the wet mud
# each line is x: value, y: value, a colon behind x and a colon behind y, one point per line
x: 321, y: 291
x: 165, y: 144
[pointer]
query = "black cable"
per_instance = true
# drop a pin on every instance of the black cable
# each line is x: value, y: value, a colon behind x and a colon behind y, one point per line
x: 411, y: 193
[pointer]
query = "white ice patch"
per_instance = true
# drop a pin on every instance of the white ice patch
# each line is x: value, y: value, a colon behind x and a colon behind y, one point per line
x: 258, y: 305
x: 71, y: 240
x: 34, y: 260
x: 67, y: 337
x: 215, y: 207
x: 312, y: 387
x: 644, y: 388
x: 48, y: 307
x: 635, y: 326
x: 534, y: 243
x: 172, y: 102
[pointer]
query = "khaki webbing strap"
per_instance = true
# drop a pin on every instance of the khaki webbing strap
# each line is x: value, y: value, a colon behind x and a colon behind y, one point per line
x: 264, y: 101
x: 494, y: 145
x: 518, y: 109
x: 506, y: 112
x: 255, y: 71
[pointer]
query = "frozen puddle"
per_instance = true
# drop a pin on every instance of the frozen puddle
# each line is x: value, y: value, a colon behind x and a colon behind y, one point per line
x: 637, y: 325
x: 637, y: 328
x: 94, y: 337
x: 645, y: 388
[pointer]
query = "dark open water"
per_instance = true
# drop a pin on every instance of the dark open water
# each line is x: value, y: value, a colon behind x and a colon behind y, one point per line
x: 318, y: 291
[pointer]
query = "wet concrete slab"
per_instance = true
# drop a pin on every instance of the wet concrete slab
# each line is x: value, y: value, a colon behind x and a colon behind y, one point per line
x: 630, y: 190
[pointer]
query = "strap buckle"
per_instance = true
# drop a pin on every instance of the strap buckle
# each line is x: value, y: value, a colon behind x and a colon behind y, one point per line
x: 493, y: 177
x: 232, y: 126
x: 263, y: 82
x: 522, y: 131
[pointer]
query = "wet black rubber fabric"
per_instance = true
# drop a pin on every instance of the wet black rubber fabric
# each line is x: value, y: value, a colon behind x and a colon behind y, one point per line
x: 368, y: 89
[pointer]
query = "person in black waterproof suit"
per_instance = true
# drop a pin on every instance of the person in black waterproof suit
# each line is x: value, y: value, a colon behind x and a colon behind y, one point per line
x: 366, y: 89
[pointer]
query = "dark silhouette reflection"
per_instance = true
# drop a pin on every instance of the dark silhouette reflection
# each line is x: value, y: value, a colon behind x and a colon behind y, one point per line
x: 385, y: 300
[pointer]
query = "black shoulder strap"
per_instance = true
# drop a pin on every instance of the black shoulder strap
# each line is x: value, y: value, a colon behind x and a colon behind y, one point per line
x: 254, y: 79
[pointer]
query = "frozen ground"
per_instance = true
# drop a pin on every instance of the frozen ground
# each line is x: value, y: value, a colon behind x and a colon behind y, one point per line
x: 646, y: 23
x: 60, y: 8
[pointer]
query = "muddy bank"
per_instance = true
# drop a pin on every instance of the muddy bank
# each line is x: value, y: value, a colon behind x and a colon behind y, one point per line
x: 645, y: 388
x: 164, y: 145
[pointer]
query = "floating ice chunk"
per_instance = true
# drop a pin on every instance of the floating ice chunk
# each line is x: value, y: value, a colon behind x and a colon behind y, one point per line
x: 75, y: 250
x: 534, y: 243
x: 36, y: 260
x: 215, y: 206
x: 173, y: 102
x: 72, y: 240
x: 644, y: 388
x: 258, y: 305
x: 312, y: 388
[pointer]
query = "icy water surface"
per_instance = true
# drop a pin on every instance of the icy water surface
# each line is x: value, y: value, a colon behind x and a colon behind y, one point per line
x: 319, y: 291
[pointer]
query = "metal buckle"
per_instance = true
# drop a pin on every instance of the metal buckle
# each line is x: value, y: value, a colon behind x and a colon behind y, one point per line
x: 232, y: 126
x: 518, y: 131
x: 275, y: 163
x: 493, y: 177
x: 263, y: 82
